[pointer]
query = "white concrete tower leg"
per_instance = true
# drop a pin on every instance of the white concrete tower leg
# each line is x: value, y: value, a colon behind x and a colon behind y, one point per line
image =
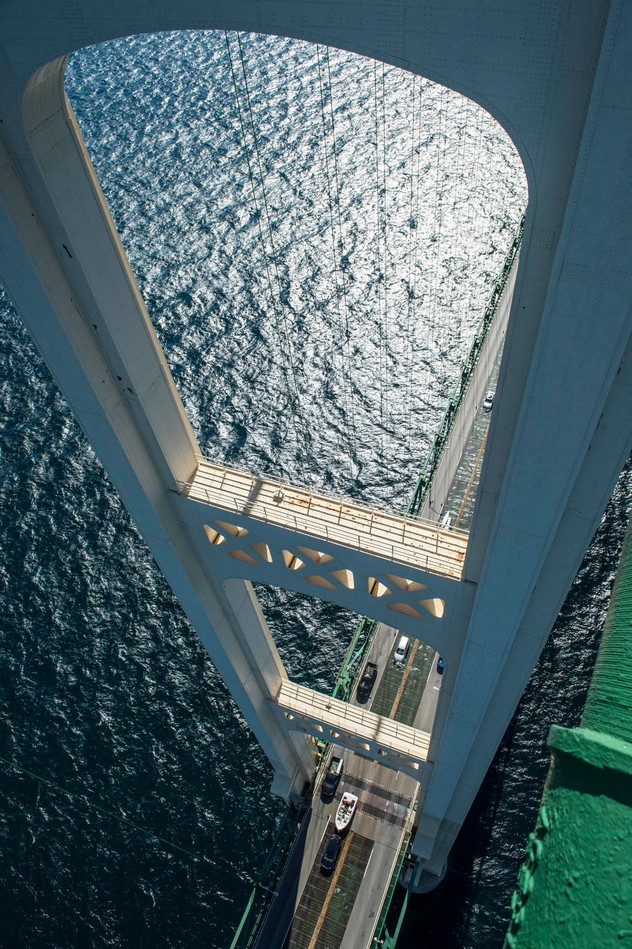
x: 547, y: 475
x: 289, y: 751
x: 81, y: 304
x: 480, y: 697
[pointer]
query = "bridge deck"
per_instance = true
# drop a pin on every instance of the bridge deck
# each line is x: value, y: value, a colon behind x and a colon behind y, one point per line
x: 316, y: 910
x: 412, y: 542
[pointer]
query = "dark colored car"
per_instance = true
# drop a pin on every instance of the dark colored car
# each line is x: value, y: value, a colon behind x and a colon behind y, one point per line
x: 366, y: 683
x: 330, y: 855
x: 440, y: 665
x: 331, y: 779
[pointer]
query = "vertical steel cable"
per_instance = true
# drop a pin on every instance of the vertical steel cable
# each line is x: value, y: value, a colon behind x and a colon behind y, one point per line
x: 347, y: 340
x: 337, y: 248
x: 381, y: 264
x: 437, y: 237
x: 413, y: 247
x: 287, y: 360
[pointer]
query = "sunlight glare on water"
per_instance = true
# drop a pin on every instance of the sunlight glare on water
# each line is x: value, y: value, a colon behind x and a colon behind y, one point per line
x: 315, y: 270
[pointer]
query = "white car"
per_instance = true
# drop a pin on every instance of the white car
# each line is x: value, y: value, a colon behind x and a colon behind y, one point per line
x: 402, y: 649
x: 488, y: 402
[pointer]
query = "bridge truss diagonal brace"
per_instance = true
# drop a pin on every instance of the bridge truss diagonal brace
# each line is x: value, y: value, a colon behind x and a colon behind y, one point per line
x: 403, y: 572
x: 382, y: 739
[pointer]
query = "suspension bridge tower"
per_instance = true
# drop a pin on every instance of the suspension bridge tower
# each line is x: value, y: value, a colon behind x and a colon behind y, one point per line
x: 556, y: 78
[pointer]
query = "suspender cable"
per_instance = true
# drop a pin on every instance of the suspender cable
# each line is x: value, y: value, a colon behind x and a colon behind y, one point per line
x: 287, y: 361
x: 437, y: 237
x: 339, y: 249
x: 85, y: 799
x: 385, y: 334
x: 413, y: 251
x: 457, y: 235
x: 380, y: 260
x: 343, y: 274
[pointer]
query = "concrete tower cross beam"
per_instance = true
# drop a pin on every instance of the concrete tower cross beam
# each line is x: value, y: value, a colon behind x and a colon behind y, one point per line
x: 396, y: 570
x: 421, y: 545
x: 382, y: 739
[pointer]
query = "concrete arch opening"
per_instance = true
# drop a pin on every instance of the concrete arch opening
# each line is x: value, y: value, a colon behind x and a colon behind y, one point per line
x: 315, y: 313
x: 315, y: 236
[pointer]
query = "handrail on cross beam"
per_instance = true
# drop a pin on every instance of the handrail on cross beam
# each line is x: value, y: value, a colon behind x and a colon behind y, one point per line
x: 421, y: 544
x: 349, y: 720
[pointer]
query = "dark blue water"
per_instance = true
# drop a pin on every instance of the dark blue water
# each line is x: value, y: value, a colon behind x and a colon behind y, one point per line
x: 315, y: 284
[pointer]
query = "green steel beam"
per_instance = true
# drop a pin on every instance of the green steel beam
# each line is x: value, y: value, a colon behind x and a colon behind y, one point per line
x: 358, y: 646
x: 575, y: 886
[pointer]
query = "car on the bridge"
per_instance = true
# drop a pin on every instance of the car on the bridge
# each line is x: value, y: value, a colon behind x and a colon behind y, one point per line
x: 366, y: 683
x: 332, y: 777
x: 488, y: 402
x: 402, y: 650
x: 440, y: 665
x: 330, y: 854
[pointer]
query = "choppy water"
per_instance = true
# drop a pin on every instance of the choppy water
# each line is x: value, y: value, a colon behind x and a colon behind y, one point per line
x: 314, y: 326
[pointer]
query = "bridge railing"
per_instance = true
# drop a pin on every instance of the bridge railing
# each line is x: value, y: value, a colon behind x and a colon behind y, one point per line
x: 353, y: 659
x: 382, y: 938
x: 293, y: 505
x: 264, y: 889
x: 410, y: 541
x: 454, y: 402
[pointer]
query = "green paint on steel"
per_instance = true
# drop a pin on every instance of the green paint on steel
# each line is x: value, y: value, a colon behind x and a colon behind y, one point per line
x: 603, y: 752
x: 382, y: 937
x: 574, y: 887
x: 360, y: 642
x: 609, y: 702
x: 265, y: 888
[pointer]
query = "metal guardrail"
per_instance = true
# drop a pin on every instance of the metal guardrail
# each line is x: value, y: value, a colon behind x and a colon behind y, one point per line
x: 382, y: 937
x: 454, y: 402
x: 281, y: 503
x: 353, y: 659
x: 313, y: 710
x: 265, y: 888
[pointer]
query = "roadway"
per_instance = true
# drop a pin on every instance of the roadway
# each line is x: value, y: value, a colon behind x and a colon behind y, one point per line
x: 341, y: 911
x: 459, y: 505
x: 314, y: 910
